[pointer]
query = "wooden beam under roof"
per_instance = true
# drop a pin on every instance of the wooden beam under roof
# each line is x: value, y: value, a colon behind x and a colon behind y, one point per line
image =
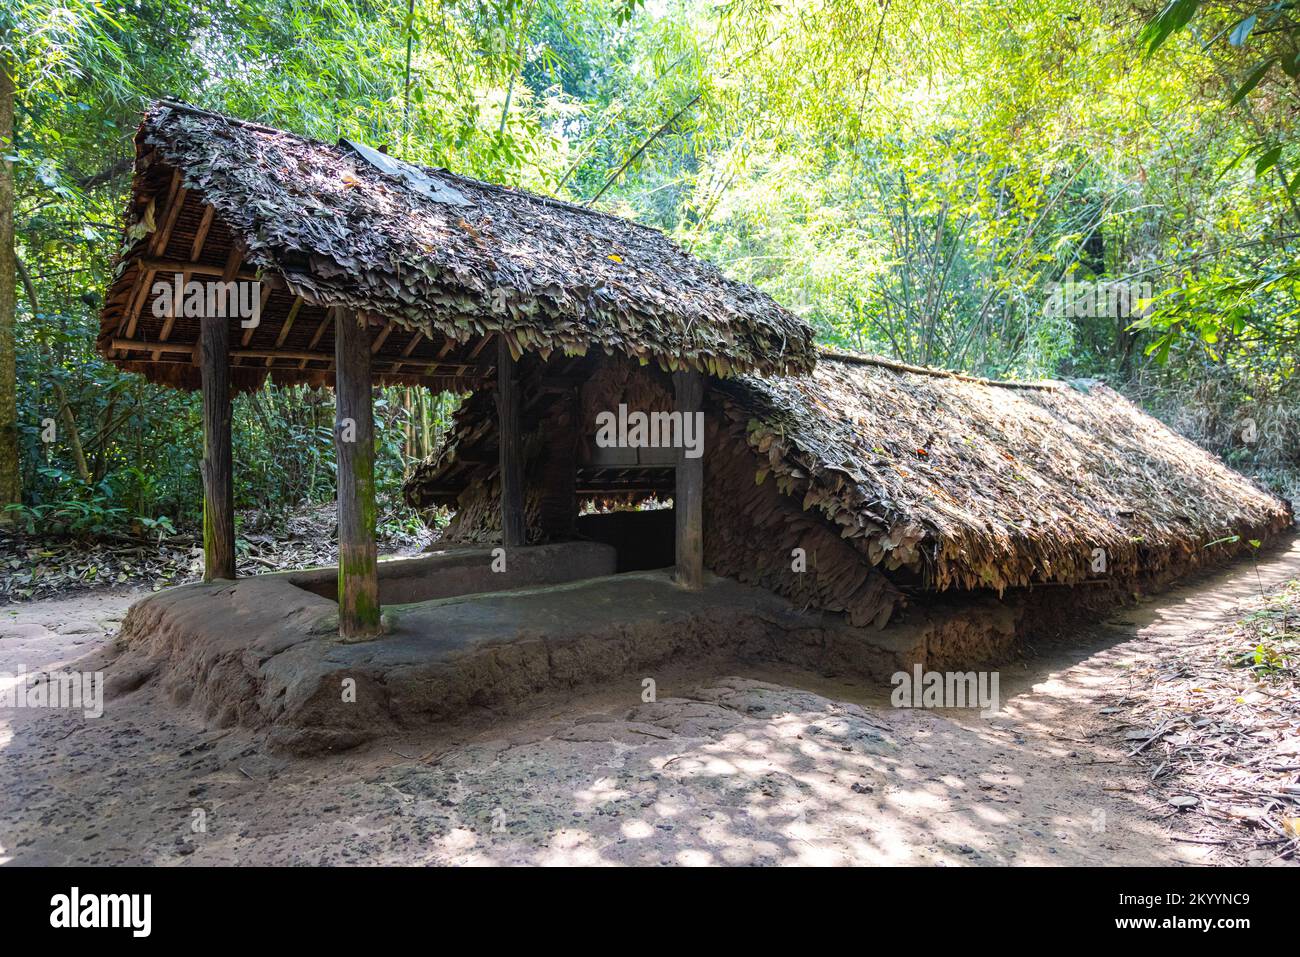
x: 286, y: 326
x: 316, y: 336
x: 265, y: 293
x: 196, y: 268
x: 196, y: 250
x: 450, y: 370
x: 201, y: 234
x: 410, y: 347
x: 380, y: 339
x: 157, y: 245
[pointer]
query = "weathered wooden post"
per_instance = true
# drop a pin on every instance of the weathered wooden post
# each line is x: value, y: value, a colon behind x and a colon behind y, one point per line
x: 513, y: 528
x: 217, y: 467
x: 557, y: 485
x: 354, y: 440
x: 688, y: 499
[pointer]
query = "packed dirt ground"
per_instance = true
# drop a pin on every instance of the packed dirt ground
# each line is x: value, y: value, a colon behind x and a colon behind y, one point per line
x: 768, y: 767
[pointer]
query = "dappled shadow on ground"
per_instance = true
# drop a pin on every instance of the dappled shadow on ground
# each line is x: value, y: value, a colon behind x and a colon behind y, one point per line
x: 718, y: 771
x: 741, y: 772
x: 745, y: 772
x: 1068, y: 670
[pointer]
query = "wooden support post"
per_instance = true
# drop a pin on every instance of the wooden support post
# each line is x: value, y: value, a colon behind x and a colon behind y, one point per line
x: 513, y: 528
x: 217, y: 467
x: 688, y: 499
x: 354, y: 440
x: 557, y: 490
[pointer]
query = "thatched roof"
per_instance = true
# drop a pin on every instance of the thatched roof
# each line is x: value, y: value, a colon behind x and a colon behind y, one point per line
x: 975, y: 484
x: 946, y: 481
x: 422, y: 252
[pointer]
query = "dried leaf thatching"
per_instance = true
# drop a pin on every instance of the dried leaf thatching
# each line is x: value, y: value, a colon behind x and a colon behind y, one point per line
x: 898, y: 480
x: 449, y: 256
x: 974, y: 484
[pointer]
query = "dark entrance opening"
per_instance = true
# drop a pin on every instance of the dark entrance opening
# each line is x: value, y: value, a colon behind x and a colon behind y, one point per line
x: 644, y: 538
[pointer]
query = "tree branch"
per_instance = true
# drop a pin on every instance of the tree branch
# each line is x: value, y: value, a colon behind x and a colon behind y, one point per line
x: 107, y: 174
x: 643, y: 147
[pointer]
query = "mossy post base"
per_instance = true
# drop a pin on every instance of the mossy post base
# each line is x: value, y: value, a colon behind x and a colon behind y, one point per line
x: 217, y: 466
x: 688, y: 498
x: 513, y: 528
x: 354, y: 439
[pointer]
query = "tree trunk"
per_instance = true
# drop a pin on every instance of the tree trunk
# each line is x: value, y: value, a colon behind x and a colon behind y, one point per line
x: 65, y: 407
x: 74, y: 436
x: 11, y: 487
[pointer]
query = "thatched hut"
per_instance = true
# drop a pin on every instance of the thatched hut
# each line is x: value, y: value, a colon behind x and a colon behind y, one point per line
x: 850, y: 486
x: 847, y: 484
x: 892, y: 482
x: 369, y: 270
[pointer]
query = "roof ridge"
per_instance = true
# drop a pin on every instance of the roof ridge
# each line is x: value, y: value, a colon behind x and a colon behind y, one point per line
x: 859, y: 358
x: 183, y: 107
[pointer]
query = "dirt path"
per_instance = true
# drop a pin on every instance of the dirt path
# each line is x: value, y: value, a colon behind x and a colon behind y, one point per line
x: 722, y: 769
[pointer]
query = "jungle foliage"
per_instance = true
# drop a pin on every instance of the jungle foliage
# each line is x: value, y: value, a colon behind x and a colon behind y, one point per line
x: 916, y: 178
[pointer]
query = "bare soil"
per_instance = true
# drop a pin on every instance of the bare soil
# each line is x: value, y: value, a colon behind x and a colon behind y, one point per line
x: 770, y: 767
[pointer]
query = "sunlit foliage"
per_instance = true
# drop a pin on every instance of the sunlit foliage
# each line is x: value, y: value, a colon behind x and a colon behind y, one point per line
x: 914, y: 177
